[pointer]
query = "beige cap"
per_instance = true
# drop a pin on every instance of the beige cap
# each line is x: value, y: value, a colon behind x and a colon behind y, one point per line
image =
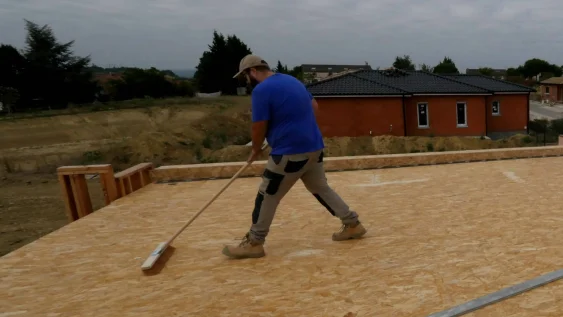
x: 250, y: 61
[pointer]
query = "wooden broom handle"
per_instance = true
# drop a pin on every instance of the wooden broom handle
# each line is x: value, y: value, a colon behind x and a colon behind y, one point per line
x: 212, y: 199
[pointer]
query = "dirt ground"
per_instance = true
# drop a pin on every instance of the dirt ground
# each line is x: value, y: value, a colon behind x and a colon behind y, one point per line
x: 165, y: 132
x: 32, y: 206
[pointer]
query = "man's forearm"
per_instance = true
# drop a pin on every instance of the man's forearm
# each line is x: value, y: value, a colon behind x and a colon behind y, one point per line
x: 258, y: 134
x: 315, y: 106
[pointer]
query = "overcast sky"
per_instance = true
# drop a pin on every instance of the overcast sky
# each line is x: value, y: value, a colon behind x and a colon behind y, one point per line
x: 172, y: 34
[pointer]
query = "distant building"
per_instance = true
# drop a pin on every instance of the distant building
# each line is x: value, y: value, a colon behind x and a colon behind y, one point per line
x: 417, y: 103
x: 497, y: 73
x: 315, y: 72
x: 552, y: 89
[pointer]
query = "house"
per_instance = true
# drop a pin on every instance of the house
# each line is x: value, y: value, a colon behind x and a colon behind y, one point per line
x: 316, y: 72
x: 417, y: 103
x: 496, y: 73
x: 552, y: 89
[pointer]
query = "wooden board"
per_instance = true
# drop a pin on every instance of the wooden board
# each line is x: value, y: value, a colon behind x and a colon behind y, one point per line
x: 346, y: 163
x: 84, y: 169
x: 438, y: 236
x: 134, y: 169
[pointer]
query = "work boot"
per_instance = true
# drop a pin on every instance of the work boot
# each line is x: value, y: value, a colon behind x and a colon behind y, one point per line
x: 349, y: 231
x: 248, y: 248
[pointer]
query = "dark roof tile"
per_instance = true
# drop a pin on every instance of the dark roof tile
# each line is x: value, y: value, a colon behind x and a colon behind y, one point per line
x: 418, y: 82
x: 492, y: 84
x: 325, y: 68
x: 399, y: 82
x: 351, y: 85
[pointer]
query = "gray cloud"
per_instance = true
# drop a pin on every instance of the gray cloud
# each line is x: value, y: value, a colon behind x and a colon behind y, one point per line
x: 174, y: 33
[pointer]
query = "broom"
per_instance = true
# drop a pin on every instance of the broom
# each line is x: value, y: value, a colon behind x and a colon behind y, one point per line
x: 155, y: 255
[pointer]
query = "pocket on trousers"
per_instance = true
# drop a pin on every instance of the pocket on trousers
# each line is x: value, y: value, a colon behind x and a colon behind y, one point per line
x: 274, y: 181
x: 295, y: 166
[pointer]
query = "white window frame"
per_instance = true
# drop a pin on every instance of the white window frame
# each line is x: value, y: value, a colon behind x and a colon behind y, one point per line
x: 418, y: 115
x: 465, y: 125
x: 498, y: 108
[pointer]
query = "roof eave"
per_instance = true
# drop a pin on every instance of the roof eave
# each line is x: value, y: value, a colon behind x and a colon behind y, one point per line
x: 360, y: 95
x: 452, y: 94
x: 512, y: 92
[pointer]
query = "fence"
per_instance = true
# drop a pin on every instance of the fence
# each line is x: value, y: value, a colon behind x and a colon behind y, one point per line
x: 75, y: 192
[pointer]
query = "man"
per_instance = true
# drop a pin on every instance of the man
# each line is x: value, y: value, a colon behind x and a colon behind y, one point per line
x: 283, y: 113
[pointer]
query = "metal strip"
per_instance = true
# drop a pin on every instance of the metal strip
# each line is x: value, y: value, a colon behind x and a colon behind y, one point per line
x: 498, y: 296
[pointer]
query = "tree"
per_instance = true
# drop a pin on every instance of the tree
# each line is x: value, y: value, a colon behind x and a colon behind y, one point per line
x: 426, y: 68
x: 557, y: 126
x: 536, y: 66
x: 297, y: 72
x: 220, y: 63
x: 280, y: 68
x: 8, y: 98
x: 538, y: 125
x: 487, y: 71
x: 446, y: 66
x: 512, y: 72
x: 12, y: 64
x: 53, y: 75
x: 403, y: 63
x: 141, y: 83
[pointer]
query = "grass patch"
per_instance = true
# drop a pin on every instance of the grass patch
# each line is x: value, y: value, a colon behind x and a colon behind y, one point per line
x: 92, y: 157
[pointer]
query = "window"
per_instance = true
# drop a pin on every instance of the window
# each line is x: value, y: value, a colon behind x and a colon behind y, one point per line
x: 547, y: 90
x: 422, y: 114
x: 461, y: 114
x: 496, y: 108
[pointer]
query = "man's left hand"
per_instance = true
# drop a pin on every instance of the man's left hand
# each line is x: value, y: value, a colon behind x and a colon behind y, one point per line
x: 254, y: 155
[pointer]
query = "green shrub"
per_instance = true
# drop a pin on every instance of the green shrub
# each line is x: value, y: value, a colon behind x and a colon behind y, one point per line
x: 527, y: 139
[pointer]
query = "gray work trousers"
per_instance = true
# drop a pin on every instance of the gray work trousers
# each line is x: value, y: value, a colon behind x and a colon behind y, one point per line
x: 280, y: 174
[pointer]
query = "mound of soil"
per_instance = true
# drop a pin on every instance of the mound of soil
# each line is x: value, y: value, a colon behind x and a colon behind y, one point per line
x: 206, y: 140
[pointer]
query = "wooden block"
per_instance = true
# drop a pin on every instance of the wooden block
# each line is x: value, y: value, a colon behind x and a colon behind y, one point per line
x: 124, y: 186
x: 68, y: 198
x: 81, y: 195
x: 146, y: 177
x: 119, y: 186
x: 136, y: 181
x: 109, y: 187
x: 129, y: 185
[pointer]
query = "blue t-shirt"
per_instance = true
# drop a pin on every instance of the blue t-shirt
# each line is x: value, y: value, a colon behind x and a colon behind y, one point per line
x: 286, y: 103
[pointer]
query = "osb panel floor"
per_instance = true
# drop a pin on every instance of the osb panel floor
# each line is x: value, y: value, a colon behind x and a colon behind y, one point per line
x: 438, y: 236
